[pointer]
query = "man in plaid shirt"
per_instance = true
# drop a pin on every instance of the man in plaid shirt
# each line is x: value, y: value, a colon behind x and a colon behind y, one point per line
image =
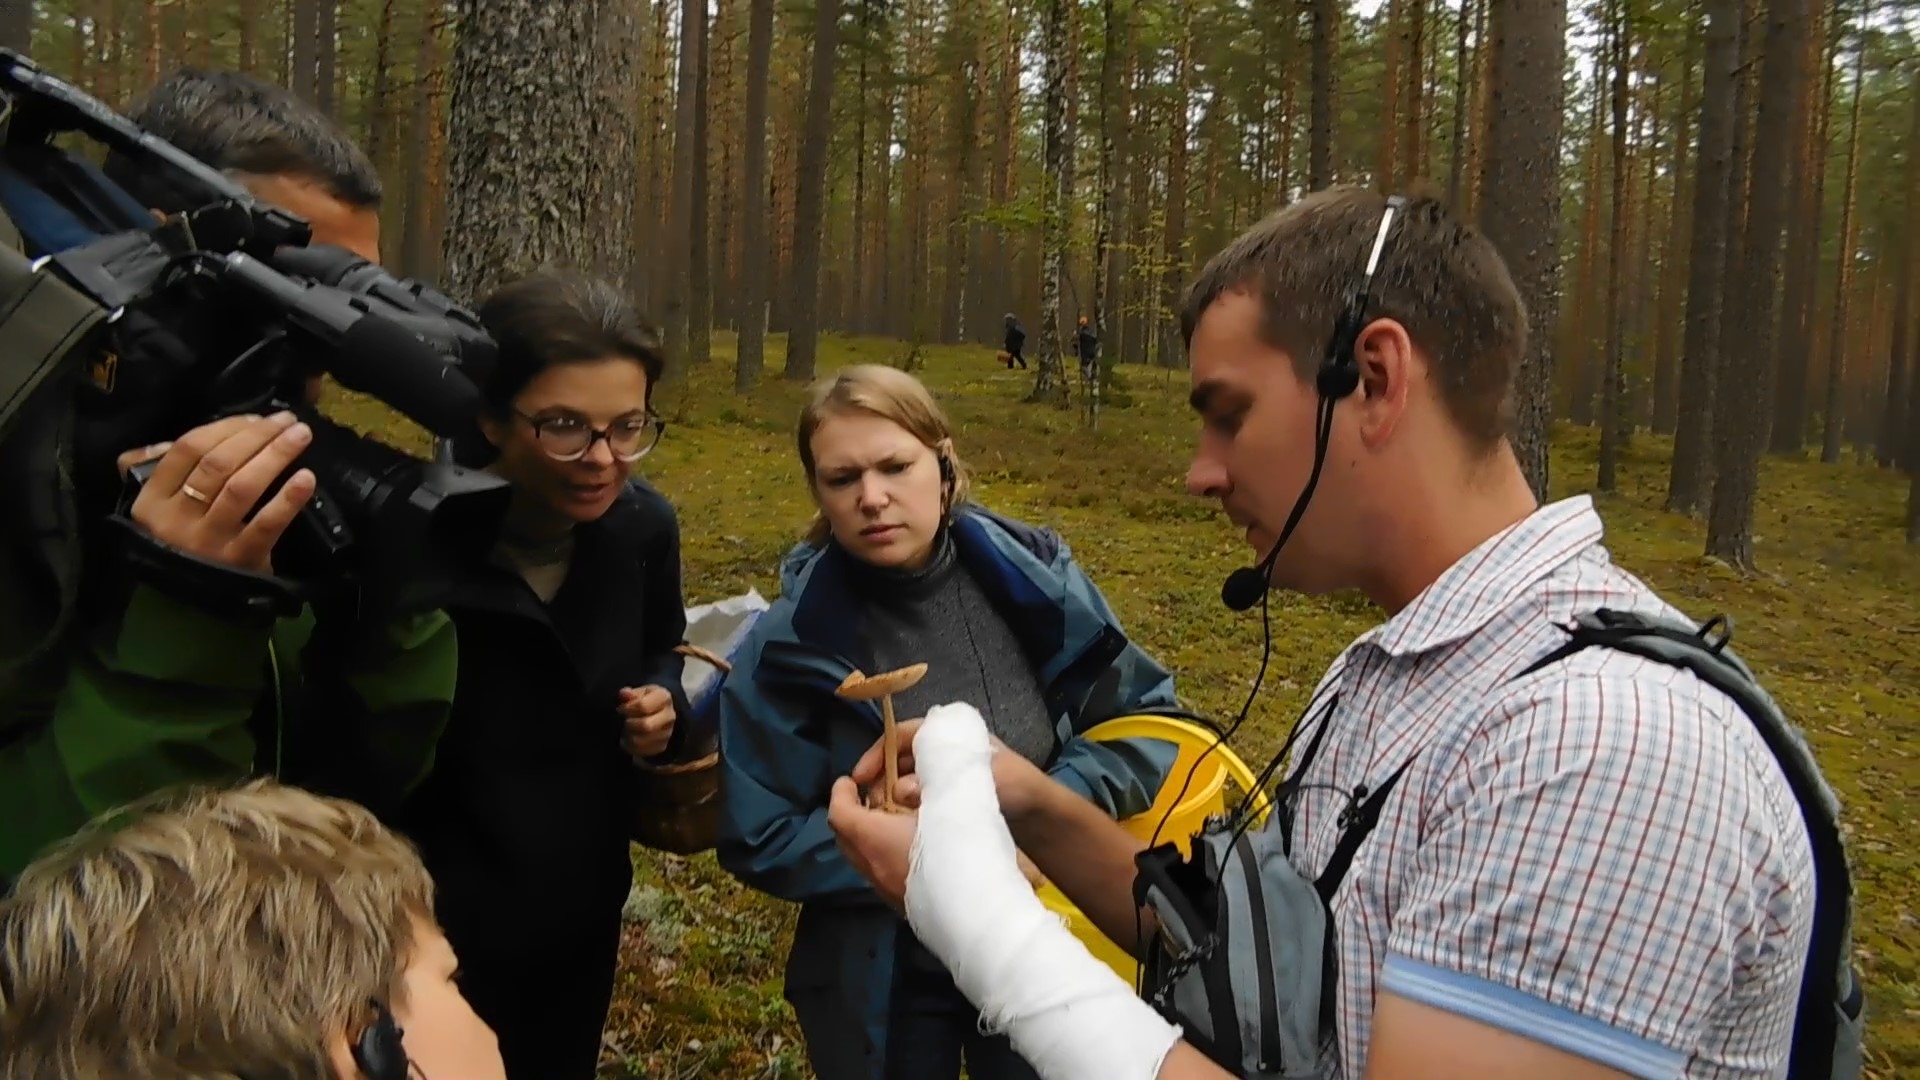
x: 1593, y: 870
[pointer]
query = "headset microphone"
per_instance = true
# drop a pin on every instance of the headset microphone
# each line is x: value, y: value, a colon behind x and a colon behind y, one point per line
x: 1244, y: 587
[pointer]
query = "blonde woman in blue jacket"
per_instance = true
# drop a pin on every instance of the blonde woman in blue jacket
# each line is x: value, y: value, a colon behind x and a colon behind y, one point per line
x: 901, y: 568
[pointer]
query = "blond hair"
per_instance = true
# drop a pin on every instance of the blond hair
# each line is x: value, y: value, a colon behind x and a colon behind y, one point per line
x: 890, y: 394
x: 222, y: 933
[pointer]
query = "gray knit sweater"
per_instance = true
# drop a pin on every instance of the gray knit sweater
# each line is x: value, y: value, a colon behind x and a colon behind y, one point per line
x: 939, y: 615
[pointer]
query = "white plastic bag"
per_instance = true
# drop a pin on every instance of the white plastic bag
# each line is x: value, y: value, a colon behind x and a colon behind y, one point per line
x: 719, y: 628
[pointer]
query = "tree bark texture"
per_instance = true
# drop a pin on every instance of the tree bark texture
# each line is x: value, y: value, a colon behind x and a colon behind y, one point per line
x: 1699, y: 359
x: 1520, y: 205
x: 810, y: 196
x: 1049, y: 384
x: 1746, y: 376
x: 751, y: 358
x: 540, y: 153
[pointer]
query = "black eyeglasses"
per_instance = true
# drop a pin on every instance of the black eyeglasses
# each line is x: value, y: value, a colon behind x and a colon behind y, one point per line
x: 568, y: 438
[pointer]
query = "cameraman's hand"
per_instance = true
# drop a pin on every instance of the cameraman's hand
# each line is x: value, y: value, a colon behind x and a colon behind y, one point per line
x: 198, y: 497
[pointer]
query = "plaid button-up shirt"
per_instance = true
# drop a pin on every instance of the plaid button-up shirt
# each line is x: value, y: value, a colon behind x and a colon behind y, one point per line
x: 1602, y: 856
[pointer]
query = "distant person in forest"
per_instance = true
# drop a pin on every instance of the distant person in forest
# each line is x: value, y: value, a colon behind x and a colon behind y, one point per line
x: 1016, y: 340
x: 1086, y: 344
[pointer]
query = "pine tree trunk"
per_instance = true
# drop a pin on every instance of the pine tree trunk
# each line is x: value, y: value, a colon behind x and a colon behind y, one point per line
x: 1699, y: 363
x: 1521, y: 204
x: 1413, y: 114
x: 1463, y: 84
x: 699, y: 232
x: 417, y: 249
x: 326, y: 52
x: 810, y: 196
x: 1613, y: 413
x: 1326, y: 31
x: 380, y: 102
x: 1584, y: 349
x: 1386, y: 172
x: 676, y: 266
x: 306, y: 30
x: 1746, y: 381
x: 1115, y: 31
x: 1788, y: 429
x: 1117, y: 189
x: 247, y: 22
x: 751, y: 357
x: 1174, y: 239
x: 1049, y: 383
x: 1894, y: 418
x: 570, y: 188
x: 1673, y: 259
x: 1137, y: 323
x: 1834, y: 427
x: 1484, y: 52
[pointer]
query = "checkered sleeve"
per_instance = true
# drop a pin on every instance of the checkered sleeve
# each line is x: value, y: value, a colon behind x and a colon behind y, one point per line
x: 1609, y: 870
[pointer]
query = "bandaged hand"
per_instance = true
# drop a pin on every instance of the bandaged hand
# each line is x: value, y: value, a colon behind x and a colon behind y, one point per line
x: 965, y: 896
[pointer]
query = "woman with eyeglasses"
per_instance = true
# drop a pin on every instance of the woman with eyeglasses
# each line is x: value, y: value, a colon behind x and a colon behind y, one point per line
x: 567, y: 673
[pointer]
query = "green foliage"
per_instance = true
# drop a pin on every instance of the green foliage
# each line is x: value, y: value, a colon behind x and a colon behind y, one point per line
x: 1832, y: 624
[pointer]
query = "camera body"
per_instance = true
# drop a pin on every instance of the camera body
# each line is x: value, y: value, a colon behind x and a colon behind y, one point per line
x: 226, y: 309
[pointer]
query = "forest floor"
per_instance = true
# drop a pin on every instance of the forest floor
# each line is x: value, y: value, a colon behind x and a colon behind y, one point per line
x: 1831, y: 623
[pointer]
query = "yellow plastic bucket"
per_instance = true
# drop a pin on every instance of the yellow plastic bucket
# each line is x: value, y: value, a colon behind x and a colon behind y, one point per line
x: 1206, y: 795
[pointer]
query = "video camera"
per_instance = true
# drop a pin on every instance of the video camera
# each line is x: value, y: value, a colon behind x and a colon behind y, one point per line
x: 224, y: 310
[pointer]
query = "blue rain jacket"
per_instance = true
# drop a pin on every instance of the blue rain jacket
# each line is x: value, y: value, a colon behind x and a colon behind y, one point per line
x: 785, y: 737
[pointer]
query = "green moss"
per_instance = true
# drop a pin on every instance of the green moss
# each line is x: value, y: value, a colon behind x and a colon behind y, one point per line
x: 1832, y: 624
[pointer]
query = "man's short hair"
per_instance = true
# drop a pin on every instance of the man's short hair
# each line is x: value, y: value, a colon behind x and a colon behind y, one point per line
x: 224, y: 932
x: 238, y: 124
x: 1438, y: 277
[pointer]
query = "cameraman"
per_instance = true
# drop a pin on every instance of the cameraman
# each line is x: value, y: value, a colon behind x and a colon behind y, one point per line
x: 149, y: 690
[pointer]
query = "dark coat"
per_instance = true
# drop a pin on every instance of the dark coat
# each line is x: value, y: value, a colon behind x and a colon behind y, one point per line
x: 524, y: 820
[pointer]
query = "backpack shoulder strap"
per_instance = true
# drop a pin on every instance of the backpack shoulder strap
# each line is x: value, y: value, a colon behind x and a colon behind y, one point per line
x: 1357, y: 822
x: 1828, y: 978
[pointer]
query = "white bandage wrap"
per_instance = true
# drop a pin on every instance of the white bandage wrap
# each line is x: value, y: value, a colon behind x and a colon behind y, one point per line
x: 1067, y: 1013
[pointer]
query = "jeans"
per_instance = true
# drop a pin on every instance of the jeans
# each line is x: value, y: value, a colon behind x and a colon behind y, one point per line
x: 932, y: 1025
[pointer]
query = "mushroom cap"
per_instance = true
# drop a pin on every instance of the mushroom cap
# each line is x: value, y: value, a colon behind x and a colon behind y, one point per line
x: 871, y: 687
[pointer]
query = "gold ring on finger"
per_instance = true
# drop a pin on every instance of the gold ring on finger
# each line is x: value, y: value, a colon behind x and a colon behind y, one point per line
x: 194, y: 493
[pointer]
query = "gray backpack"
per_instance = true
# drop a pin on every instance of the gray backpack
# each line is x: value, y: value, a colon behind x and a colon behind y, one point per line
x: 1246, y: 960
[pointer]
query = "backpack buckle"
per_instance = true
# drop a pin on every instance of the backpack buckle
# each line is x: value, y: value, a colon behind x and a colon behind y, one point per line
x: 1722, y: 623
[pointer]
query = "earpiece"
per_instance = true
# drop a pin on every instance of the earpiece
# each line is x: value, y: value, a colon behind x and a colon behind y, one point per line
x: 943, y: 450
x: 379, y: 1053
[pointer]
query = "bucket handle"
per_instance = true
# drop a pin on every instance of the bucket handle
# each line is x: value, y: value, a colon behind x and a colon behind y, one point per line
x: 705, y: 761
x: 1235, y: 765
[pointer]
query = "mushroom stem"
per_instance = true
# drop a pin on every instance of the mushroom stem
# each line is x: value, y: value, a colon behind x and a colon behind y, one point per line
x: 890, y: 751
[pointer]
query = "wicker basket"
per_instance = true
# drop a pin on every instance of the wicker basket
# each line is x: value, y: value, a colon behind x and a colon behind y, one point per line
x: 676, y: 807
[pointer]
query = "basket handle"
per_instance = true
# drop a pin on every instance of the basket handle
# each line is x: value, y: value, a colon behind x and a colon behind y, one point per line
x: 698, y: 653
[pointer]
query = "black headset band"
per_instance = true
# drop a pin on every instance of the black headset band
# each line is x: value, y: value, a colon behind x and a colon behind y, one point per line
x: 1340, y: 370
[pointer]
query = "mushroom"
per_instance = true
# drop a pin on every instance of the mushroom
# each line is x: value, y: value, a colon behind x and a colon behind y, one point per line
x: 883, y: 686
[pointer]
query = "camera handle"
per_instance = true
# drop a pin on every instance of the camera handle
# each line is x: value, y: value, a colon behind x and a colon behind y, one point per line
x: 223, y: 591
